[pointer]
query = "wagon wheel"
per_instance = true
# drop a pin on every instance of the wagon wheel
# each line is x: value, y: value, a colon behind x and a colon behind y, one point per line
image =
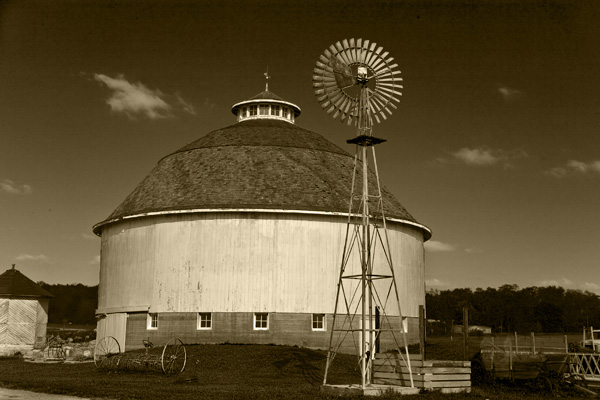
x: 577, y: 379
x: 543, y: 383
x: 105, y: 347
x: 173, y: 357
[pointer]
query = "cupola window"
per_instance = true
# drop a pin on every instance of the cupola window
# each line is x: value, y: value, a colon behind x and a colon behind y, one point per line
x: 253, y: 110
x: 264, y: 109
x: 275, y: 110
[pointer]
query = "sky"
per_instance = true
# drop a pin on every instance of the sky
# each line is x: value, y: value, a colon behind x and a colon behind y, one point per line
x: 495, y: 144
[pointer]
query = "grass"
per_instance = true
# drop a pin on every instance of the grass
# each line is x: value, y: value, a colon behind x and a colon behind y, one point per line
x: 226, y: 372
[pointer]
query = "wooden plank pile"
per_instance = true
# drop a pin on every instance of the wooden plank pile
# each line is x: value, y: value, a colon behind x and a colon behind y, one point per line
x: 445, y: 376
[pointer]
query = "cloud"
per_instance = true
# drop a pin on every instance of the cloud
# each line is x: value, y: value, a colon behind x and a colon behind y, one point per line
x: 10, y: 187
x: 481, y: 156
x: 134, y: 98
x: 30, y: 257
x: 582, y: 167
x: 473, y: 250
x: 557, y: 172
x: 590, y: 286
x: 548, y: 283
x: 186, y: 106
x: 435, y: 246
x: 575, y: 167
x: 434, y: 283
x: 509, y: 94
x: 484, y: 156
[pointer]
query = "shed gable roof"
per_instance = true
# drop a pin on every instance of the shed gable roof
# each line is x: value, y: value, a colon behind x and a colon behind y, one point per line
x: 14, y: 283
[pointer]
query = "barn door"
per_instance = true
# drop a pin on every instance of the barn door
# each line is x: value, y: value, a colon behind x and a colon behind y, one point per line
x: 113, y: 325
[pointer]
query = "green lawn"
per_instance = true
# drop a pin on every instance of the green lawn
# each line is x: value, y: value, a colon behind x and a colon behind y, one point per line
x: 222, y: 372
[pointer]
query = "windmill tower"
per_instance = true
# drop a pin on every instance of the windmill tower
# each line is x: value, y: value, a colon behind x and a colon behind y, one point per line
x: 357, y: 82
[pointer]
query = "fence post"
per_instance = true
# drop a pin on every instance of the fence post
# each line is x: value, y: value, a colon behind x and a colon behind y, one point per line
x: 516, y: 343
x: 532, y: 343
x: 510, y: 358
x: 566, y: 344
x: 465, y: 332
x: 493, y: 351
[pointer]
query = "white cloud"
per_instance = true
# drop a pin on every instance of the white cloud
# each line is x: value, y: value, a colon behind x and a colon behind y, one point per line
x: 481, y: 156
x: 548, y: 283
x: 575, y: 167
x: 508, y: 93
x: 434, y: 283
x: 134, y: 98
x: 592, y: 287
x: 580, y: 166
x: 435, y: 246
x: 484, y: 156
x: 473, y: 250
x: 186, y: 106
x: 557, y: 172
x: 8, y: 186
x: 30, y: 257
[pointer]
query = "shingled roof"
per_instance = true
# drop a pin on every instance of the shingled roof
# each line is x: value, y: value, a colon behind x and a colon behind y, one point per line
x: 14, y: 283
x: 256, y: 165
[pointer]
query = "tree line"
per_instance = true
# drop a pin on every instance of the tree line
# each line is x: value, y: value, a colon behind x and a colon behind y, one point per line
x: 510, y: 309
x: 72, y: 303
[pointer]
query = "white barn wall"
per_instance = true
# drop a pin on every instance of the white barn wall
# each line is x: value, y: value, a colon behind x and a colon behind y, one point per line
x: 240, y: 262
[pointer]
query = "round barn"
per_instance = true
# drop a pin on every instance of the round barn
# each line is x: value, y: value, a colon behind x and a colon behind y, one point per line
x: 237, y: 237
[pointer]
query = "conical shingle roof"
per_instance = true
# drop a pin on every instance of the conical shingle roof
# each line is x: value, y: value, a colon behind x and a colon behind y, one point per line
x: 252, y: 165
x: 14, y: 283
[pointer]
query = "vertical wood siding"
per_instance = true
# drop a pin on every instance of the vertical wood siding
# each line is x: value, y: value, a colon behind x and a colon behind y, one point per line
x: 114, y: 325
x: 242, y: 262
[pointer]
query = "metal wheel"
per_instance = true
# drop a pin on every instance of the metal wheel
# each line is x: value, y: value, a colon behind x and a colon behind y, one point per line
x: 173, y: 357
x: 105, y: 347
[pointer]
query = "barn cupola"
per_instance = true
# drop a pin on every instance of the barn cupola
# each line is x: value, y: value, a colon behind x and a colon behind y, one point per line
x: 266, y: 105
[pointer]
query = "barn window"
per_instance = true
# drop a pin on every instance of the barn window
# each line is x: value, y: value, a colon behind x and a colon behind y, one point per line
x: 261, y: 321
x: 318, y: 322
x: 204, y: 320
x: 275, y: 110
x: 253, y: 110
x: 152, y: 321
x: 264, y: 109
x: 286, y: 112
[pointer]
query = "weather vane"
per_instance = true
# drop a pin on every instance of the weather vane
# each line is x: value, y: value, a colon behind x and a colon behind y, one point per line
x: 267, y: 76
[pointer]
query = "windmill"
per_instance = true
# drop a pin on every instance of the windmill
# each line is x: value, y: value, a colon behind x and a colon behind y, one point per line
x: 358, y: 83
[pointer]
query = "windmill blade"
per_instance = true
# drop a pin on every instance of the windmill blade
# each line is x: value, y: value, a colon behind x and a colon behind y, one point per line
x: 391, y: 90
x: 389, y: 94
x: 341, y: 53
x: 352, y: 49
x: 359, y: 50
x: 380, y: 62
x: 387, y: 74
x: 371, y: 54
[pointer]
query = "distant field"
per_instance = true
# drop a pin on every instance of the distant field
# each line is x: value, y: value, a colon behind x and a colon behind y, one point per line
x: 231, y: 372
x: 79, y: 327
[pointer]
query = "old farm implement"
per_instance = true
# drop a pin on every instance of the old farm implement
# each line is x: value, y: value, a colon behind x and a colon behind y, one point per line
x: 547, y: 364
x: 170, y: 359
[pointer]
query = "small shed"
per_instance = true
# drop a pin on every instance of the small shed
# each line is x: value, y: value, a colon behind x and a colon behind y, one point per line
x: 23, y: 310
